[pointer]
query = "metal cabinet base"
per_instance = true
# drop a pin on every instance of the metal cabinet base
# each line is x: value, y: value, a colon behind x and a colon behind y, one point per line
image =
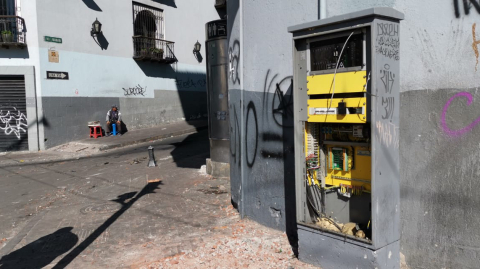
x: 336, y: 252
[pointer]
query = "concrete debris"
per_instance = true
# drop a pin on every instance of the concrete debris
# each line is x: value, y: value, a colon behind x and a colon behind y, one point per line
x: 349, y: 228
x: 203, y: 170
x: 360, y: 234
x: 137, y: 160
x: 326, y: 224
x: 243, y: 244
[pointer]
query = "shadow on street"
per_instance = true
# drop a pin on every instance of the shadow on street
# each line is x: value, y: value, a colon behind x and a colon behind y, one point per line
x: 42, y: 251
x: 121, y: 199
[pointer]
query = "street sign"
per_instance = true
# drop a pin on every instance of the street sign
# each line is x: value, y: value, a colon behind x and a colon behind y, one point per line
x: 53, y: 56
x: 53, y: 39
x: 216, y: 29
x: 57, y: 75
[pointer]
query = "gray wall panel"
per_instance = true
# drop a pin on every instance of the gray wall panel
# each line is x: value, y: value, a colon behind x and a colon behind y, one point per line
x: 66, y: 118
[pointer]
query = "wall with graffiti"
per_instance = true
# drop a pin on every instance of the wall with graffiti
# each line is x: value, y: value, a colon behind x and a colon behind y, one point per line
x: 261, y: 108
x: 439, y: 119
x: 106, y: 69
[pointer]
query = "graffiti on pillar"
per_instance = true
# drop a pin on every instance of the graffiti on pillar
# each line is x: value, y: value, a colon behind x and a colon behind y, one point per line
x: 234, y: 58
x: 388, y: 78
x: 467, y: 5
x: 275, y: 106
x: 388, y: 40
x: 387, y: 134
x: 464, y: 130
x: 388, y: 102
x: 13, y: 122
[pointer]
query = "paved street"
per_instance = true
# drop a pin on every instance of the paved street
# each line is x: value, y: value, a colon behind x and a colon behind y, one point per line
x: 101, y: 212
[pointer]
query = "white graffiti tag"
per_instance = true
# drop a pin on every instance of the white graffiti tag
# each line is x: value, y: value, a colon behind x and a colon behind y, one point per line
x: 11, y: 123
x: 388, y: 134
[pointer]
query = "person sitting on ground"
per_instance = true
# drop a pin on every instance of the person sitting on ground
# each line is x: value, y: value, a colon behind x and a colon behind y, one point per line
x: 114, y: 117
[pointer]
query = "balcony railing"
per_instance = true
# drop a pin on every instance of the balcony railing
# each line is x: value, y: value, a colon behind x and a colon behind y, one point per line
x: 12, y: 31
x: 151, y: 49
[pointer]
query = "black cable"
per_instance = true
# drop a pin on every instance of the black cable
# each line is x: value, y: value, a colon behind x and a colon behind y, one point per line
x: 323, y: 194
x: 320, y: 215
x: 318, y: 196
x: 311, y: 203
x: 313, y: 192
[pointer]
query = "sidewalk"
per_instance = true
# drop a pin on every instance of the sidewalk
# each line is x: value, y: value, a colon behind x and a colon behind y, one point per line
x: 92, y: 146
x: 145, y: 135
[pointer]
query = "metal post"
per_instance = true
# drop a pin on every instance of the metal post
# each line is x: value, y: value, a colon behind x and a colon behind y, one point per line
x: 151, y: 161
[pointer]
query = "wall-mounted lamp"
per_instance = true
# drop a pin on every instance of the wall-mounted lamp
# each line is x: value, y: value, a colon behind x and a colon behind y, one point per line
x: 197, y: 47
x: 96, y: 28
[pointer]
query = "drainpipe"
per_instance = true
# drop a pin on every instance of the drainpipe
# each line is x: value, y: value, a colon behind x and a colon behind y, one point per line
x: 322, y: 9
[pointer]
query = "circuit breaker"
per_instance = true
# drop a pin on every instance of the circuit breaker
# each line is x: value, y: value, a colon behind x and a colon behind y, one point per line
x: 346, y: 102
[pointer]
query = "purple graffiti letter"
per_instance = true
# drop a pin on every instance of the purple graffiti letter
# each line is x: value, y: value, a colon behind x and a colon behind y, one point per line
x: 460, y: 132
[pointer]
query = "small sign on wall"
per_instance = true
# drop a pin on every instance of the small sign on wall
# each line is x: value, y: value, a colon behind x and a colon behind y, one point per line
x: 57, y: 75
x: 53, y: 56
x: 53, y: 39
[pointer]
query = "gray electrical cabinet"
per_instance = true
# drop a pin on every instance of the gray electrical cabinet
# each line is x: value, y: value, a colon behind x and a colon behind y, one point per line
x: 346, y: 124
x: 217, y: 89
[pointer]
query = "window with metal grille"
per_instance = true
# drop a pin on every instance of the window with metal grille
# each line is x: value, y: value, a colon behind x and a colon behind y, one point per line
x: 149, y: 35
x: 148, y: 22
x: 7, y: 7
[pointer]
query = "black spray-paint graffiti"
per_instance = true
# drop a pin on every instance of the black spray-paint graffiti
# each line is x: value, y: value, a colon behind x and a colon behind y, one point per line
x: 388, y: 40
x: 137, y: 90
x: 252, y: 116
x: 189, y: 83
x: 233, y: 58
x: 277, y: 107
x: 13, y: 122
x: 235, y: 137
x: 467, y: 5
x: 388, y: 78
x: 388, y: 102
x: 281, y: 106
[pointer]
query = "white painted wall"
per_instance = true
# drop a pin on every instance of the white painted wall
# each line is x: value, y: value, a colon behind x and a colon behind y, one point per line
x: 436, y: 47
x: 104, y: 73
x: 8, y: 57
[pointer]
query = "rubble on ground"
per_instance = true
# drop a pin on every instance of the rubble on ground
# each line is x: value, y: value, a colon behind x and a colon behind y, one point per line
x: 245, y: 244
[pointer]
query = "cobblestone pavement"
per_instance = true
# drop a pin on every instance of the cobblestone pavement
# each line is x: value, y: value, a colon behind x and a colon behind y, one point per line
x: 112, y: 211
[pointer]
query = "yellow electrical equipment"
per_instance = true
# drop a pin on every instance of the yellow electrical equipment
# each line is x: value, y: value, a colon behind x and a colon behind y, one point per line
x: 347, y: 82
x: 337, y: 136
x: 355, y: 110
x: 349, y: 166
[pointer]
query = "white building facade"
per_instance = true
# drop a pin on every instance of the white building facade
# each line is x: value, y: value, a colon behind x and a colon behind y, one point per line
x: 57, y: 74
